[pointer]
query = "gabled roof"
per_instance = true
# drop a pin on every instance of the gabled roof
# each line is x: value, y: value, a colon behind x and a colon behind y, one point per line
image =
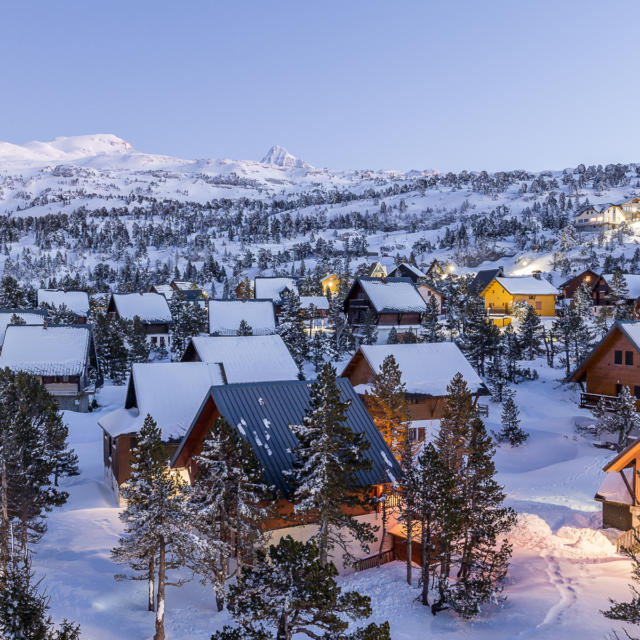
x: 30, y: 316
x: 393, y: 295
x: 272, y: 288
x: 263, y: 412
x: 319, y: 302
x: 76, y: 301
x: 624, y: 458
x: 171, y: 392
x: 579, y: 275
x: 614, y: 488
x: 151, y: 308
x: 483, y: 279
x: 633, y: 283
x: 409, y: 267
x: 247, y: 358
x: 225, y: 316
x: 527, y: 285
x: 50, y: 351
x: 630, y: 329
x: 426, y: 368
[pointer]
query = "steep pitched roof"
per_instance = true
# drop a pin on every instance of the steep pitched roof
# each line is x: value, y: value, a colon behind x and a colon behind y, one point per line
x: 527, y: 285
x: 50, y: 351
x: 247, y: 358
x: 30, y: 316
x: 272, y: 288
x: 397, y: 271
x: 225, y: 316
x: 426, y: 368
x: 76, y: 301
x: 149, y: 307
x: 483, y: 279
x: 393, y: 295
x: 263, y: 412
x: 171, y: 392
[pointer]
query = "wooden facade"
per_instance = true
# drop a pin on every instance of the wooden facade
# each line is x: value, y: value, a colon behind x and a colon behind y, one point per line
x: 427, y: 290
x: 497, y: 300
x: 330, y: 283
x: 569, y: 287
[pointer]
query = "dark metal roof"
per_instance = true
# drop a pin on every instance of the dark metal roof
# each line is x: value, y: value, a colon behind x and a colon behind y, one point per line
x: 483, y: 278
x: 262, y: 413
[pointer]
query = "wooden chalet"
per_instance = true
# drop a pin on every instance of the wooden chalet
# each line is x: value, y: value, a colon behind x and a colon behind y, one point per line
x: 330, y: 283
x: 595, y: 281
x: 377, y: 270
x: 262, y: 414
x: 151, y: 308
x: 613, y: 363
x: 632, y: 281
x: 274, y: 289
x: 483, y: 279
x: 603, y: 216
x: 408, y: 270
x: 62, y: 357
x: 436, y: 269
x: 189, y: 290
x: 503, y: 292
x: 619, y: 492
x: 391, y: 302
x: 171, y: 393
x: 76, y: 301
x: 427, y: 291
x: 225, y: 316
x: 426, y: 368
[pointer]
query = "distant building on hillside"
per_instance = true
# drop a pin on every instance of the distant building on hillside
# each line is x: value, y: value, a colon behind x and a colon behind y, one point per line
x: 151, y: 308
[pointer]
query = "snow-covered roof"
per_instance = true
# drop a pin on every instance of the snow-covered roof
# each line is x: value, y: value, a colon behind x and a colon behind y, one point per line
x: 632, y: 329
x: 527, y: 285
x: 225, y: 316
x: 407, y: 265
x: 426, y: 368
x: 171, y: 392
x: 164, y: 289
x: 272, y: 288
x: 633, y: 283
x: 34, y: 317
x: 51, y: 351
x: 149, y: 307
x: 393, y: 294
x: 76, y: 301
x: 319, y: 302
x: 248, y: 358
x: 613, y: 488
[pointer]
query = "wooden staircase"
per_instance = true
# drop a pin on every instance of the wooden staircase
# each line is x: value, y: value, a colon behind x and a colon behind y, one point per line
x: 628, y: 541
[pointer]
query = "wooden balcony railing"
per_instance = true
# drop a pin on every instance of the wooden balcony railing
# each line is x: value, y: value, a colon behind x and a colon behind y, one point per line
x: 372, y: 561
x: 591, y: 400
x: 628, y: 541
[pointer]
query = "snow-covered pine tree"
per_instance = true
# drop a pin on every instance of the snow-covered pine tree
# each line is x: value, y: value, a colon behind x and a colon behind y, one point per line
x: 139, y: 350
x: 225, y: 508
x: 369, y: 329
x: 327, y: 457
x: 318, y: 350
x: 628, y: 611
x: 17, y: 320
x: 291, y: 591
x: 60, y: 314
x: 387, y: 404
x: 12, y: 296
x: 481, y: 337
x: 431, y: 329
x: 155, y: 518
x: 188, y: 320
x: 497, y: 377
x: 619, y: 297
x: 623, y: 418
x: 582, y: 300
x: 530, y: 333
x: 512, y: 352
x: 245, y: 329
x: 340, y: 338
x: 112, y: 352
x: 510, y: 420
x: 291, y: 328
x: 603, y: 320
x: 393, y: 336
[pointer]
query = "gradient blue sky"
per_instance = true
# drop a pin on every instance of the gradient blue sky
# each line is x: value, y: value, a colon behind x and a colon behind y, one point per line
x: 351, y: 84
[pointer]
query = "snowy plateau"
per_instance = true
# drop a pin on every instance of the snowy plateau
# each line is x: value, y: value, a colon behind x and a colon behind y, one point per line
x: 74, y: 203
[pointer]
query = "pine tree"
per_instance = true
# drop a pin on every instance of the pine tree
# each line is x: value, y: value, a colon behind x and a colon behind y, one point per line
x: 139, y: 350
x: 327, y: 457
x: 291, y: 591
x: 154, y: 518
x: 318, y: 349
x: 369, y: 329
x: 12, y: 296
x: 291, y: 329
x: 603, y: 320
x: 530, y: 333
x: 582, y: 300
x: 510, y: 420
x: 340, y: 337
x: 16, y: 320
x: 431, y: 329
x: 225, y: 508
x: 245, y: 329
x: 112, y: 352
x: 188, y: 320
x: 623, y: 419
x: 512, y: 352
x: 497, y: 377
x: 619, y: 296
x: 393, y: 336
x: 481, y: 337
x: 60, y: 314
x: 387, y: 404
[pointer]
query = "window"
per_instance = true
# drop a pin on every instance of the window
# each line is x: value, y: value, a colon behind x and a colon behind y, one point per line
x: 532, y: 297
x: 617, y: 357
x: 154, y: 341
x: 636, y: 392
x: 618, y: 389
x: 628, y: 358
x: 538, y: 306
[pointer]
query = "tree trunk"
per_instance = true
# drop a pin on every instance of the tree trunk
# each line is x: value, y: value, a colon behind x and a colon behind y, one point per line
x: 426, y: 540
x: 383, y: 511
x: 151, y: 584
x: 409, y: 549
x: 323, y: 543
x: 159, y: 635
x: 283, y: 628
x: 5, y: 518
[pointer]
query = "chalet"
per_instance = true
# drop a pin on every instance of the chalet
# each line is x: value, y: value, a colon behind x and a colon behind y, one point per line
x: 330, y: 283
x: 315, y: 310
x: 63, y: 357
x: 189, y: 290
x: 593, y: 280
x: 436, y: 270
x: 171, y: 393
x: 391, y: 302
x: 426, y: 368
x: 274, y: 289
x: 408, y: 270
x: 76, y: 301
x: 631, y: 209
x: 151, y: 308
x: 35, y: 317
x: 244, y: 358
x: 428, y: 291
x: 504, y: 291
x: 483, y: 278
x: 607, y: 215
x: 262, y: 413
x: 632, y: 282
x: 619, y: 492
x: 225, y: 316
x: 614, y: 362
x: 377, y: 270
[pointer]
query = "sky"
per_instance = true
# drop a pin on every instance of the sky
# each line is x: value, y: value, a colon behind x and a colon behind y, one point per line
x: 452, y: 85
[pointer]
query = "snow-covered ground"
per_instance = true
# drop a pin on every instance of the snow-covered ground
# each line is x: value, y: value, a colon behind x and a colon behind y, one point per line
x: 562, y: 573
